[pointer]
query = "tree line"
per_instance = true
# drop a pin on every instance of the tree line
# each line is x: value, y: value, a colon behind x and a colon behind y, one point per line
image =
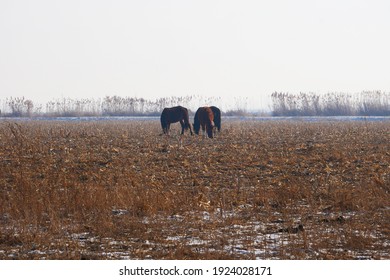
x: 370, y: 103
x: 107, y: 106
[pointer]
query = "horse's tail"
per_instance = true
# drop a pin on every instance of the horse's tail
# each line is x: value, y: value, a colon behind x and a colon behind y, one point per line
x: 217, y: 117
x: 163, y: 120
x: 217, y: 120
x: 196, y: 122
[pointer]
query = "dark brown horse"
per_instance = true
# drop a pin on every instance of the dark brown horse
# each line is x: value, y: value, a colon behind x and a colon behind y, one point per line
x: 204, y: 117
x: 173, y: 115
x: 217, y: 119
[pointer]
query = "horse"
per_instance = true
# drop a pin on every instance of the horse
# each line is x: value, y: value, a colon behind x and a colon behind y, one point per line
x: 204, y: 117
x: 217, y: 119
x: 173, y: 115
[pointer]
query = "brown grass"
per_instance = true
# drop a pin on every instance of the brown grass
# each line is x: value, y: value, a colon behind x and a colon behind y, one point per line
x: 119, y: 189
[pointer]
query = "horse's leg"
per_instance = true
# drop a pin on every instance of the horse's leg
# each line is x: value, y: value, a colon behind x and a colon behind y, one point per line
x: 182, y: 126
x: 189, y: 126
x: 212, y: 128
x: 167, y: 134
x: 180, y: 141
x: 203, y: 130
x: 166, y: 129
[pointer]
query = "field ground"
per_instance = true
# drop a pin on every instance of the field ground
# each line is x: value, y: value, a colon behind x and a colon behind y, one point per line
x: 259, y: 190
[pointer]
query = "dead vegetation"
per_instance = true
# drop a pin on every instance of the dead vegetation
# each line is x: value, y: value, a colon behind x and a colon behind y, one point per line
x: 259, y: 190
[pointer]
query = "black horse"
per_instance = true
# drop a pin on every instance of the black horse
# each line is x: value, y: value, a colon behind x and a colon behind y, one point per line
x: 217, y: 119
x: 173, y: 115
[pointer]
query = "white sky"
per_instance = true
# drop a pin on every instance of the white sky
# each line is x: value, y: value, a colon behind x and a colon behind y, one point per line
x: 156, y: 48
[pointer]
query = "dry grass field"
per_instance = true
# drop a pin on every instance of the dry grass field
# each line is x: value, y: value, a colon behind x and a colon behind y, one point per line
x: 259, y: 190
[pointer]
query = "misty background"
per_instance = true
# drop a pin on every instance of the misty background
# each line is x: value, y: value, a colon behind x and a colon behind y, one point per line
x: 236, y: 52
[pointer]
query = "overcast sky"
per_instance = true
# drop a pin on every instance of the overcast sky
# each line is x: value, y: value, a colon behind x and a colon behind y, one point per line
x: 156, y: 48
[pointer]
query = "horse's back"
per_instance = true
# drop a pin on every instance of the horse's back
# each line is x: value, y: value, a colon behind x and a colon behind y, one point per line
x: 207, y: 113
x: 174, y: 114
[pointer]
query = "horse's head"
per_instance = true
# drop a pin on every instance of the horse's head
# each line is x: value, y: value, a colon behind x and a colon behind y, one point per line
x: 210, y: 129
x: 196, y: 128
